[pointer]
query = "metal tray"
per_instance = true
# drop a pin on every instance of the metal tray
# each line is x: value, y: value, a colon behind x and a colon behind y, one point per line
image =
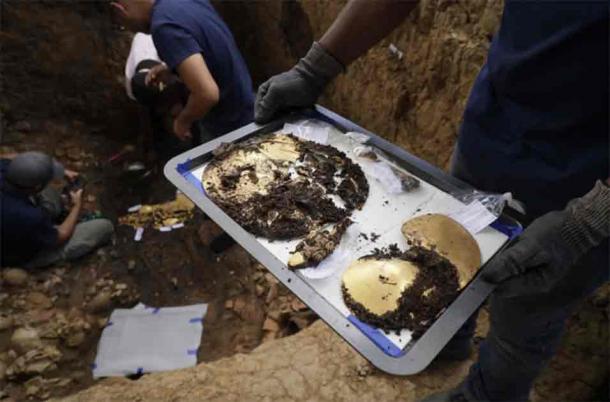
x: 373, y: 344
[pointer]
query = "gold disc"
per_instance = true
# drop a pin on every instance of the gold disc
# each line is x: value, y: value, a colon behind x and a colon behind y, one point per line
x: 378, y: 284
x: 449, y: 238
x: 253, y: 167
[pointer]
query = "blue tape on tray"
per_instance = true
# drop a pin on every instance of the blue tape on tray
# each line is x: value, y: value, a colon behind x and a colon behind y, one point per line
x: 377, y: 337
x: 511, y: 231
x: 184, y: 170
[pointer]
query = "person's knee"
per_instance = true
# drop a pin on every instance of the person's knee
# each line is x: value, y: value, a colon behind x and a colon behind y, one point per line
x: 104, y: 230
x: 88, y: 236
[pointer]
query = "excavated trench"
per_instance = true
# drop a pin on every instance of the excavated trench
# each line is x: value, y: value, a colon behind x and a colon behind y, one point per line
x: 61, y: 91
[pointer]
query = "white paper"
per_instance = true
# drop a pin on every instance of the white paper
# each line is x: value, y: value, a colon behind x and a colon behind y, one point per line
x: 145, y: 339
x: 138, y: 235
x: 315, y: 133
x: 135, y: 208
x: 386, y: 176
x: 338, y: 260
x: 178, y: 225
x: 165, y: 229
x: 474, y: 217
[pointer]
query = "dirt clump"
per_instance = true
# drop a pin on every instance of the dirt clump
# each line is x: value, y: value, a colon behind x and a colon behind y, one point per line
x: 318, y: 245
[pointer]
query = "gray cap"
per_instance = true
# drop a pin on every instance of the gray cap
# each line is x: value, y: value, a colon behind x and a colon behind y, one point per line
x: 33, y: 169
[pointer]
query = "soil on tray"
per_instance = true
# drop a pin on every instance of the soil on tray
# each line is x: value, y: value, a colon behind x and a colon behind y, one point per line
x: 298, y: 200
x: 435, y: 286
x: 318, y: 245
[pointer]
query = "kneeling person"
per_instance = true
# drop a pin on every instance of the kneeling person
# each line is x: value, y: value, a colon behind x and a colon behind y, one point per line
x: 29, y: 209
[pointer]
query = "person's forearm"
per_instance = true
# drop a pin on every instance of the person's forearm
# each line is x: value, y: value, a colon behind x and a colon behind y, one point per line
x: 361, y: 24
x: 588, y: 223
x: 66, y: 228
x: 197, y: 107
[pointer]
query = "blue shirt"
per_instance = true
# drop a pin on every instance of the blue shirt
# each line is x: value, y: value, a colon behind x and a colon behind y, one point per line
x: 181, y: 28
x: 25, y: 229
x: 536, y: 122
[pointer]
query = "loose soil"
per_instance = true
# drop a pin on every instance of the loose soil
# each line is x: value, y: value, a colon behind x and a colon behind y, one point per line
x: 247, y: 305
x: 318, y: 245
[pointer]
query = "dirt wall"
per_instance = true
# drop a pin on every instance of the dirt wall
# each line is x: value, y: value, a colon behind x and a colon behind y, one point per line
x: 64, y: 60
x: 60, y: 58
x: 416, y: 101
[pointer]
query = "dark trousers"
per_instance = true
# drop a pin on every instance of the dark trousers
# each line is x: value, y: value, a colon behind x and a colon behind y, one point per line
x: 525, y: 331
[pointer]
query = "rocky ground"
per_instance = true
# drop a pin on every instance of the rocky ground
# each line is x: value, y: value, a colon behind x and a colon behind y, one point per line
x: 51, y: 319
x: 316, y: 365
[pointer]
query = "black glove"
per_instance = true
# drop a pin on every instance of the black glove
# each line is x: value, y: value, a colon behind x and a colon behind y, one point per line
x: 551, y: 245
x: 299, y: 87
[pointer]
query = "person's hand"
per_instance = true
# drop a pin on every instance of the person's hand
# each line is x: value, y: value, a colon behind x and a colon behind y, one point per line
x: 76, y: 197
x: 551, y: 245
x: 182, y: 128
x: 299, y: 87
x: 157, y: 75
x: 535, y: 262
x: 71, y: 175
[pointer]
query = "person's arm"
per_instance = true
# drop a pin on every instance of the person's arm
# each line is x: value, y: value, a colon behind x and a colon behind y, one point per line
x: 66, y: 229
x: 71, y: 175
x: 361, y: 24
x: 9, y: 156
x: 204, y: 93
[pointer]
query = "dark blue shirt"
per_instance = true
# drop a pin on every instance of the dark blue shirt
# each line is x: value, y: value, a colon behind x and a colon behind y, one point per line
x: 536, y: 122
x: 181, y: 28
x: 25, y: 229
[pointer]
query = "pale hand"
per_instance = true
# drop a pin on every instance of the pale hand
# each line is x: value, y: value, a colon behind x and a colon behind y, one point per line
x: 158, y: 74
x: 71, y: 175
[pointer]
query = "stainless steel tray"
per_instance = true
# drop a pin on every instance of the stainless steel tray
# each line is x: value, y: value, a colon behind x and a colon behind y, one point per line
x: 373, y: 344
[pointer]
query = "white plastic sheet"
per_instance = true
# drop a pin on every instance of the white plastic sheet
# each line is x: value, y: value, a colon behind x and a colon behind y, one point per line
x: 309, y: 130
x: 382, y: 172
x: 474, y: 217
x: 145, y: 339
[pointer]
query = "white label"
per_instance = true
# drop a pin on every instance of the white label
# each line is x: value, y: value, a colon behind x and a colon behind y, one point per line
x: 474, y: 217
x: 178, y: 225
x: 165, y: 229
x: 138, y: 235
x: 135, y: 208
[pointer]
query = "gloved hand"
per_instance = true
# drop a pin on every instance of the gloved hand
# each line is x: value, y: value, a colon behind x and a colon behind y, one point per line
x: 298, y: 87
x: 550, y: 246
